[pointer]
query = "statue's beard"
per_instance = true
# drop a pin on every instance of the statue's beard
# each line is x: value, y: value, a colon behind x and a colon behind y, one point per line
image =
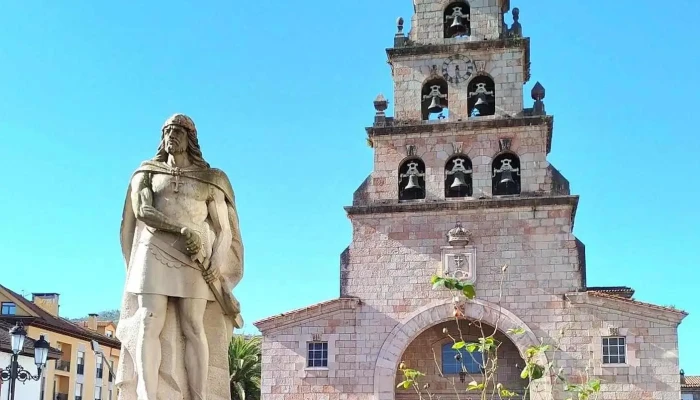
x: 173, y: 147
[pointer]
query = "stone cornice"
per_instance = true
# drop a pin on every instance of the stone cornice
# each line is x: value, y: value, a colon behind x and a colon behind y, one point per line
x: 442, y: 205
x: 628, y: 306
x: 296, y: 317
x: 416, y: 49
x: 471, y: 125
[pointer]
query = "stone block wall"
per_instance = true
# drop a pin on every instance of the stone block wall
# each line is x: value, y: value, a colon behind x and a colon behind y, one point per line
x: 393, y: 256
x: 504, y: 66
x: 530, y: 143
x: 427, y: 21
x: 358, y: 341
x: 652, y: 370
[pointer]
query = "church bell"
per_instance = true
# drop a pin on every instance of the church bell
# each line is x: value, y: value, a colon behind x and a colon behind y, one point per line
x: 507, y: 179
x: 459, y: 185
x: 481, y: 105
x: 435, y: 106
x: 457, y: 27
x: 413, y: 183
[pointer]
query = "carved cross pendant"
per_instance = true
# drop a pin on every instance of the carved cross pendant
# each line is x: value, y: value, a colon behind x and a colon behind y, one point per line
x: 176, y: 183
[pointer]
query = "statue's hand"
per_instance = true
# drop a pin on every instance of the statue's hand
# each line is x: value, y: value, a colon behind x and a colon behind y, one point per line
x: 212, y: 274
x: 149, y: 211
x: 194, y: 242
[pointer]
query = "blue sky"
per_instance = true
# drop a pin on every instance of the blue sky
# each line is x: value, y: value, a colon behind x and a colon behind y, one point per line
x: 281, y: 93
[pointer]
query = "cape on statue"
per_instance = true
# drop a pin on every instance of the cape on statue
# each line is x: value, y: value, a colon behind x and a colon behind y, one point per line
x: 220, y: 318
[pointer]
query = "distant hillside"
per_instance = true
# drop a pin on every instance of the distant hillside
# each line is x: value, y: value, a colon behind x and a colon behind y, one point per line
x: 109, y: 315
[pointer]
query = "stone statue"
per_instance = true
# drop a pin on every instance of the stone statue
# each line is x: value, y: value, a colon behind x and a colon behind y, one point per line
x: 184, y: 255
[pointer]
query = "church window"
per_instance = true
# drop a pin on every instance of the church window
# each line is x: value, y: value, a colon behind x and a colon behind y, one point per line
x: 458, y: 176
x: 482, y: 96
x: 412, y: 179
x: 457, y: 20
x: 317, y: 355
x: 9, y: 308
x: 614, y: 350
x: 505, y: 175
x: 456, y: 361
x: 435, y: 100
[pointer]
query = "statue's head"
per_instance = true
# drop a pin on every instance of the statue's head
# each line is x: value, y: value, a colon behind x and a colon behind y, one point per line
x: 179, y: 135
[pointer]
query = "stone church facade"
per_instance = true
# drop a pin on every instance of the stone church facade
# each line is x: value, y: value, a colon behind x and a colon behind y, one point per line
x: 461, y: 187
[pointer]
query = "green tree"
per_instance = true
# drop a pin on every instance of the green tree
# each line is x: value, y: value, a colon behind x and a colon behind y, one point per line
x: 244, y: 364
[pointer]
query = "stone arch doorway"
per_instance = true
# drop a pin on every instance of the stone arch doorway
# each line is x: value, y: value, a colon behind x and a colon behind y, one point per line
x: 437, y: 313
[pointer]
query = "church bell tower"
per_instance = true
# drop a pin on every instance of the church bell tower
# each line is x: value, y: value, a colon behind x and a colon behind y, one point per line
x: 458, y: 112
x: 462, y: 148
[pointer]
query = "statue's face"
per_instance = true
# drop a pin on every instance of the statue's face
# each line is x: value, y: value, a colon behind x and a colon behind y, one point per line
x: 175, y: 139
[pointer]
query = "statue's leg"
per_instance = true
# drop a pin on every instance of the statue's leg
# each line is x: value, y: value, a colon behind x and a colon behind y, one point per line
x: 196, y: 346
x: 152, y: 309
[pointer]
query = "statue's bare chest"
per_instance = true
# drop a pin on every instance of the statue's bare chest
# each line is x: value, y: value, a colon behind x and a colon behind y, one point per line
x: 181, y: 187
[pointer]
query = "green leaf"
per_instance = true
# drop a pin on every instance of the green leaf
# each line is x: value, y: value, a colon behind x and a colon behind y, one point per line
x: 458, y: 345
x: 471, y: 347
x: 405, y: 384
x: 595, y: 385
x: 516, y: 331
x: 468, y: 291
x: 435, y: 279
x: 525, y: 373
x: 450, y: 284
x: 473, y: 385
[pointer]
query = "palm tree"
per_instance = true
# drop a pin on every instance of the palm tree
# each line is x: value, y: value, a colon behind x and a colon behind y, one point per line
x: 244, y: 362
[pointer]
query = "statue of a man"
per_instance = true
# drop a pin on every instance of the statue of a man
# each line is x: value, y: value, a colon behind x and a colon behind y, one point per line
x: 183, y: 251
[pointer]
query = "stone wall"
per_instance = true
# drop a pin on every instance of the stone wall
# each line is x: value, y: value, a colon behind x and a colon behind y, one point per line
x: 393, y: 256
x: 529, y: 143
x: 364, y: 342
x: 427, y: 21
x: 504, y: 66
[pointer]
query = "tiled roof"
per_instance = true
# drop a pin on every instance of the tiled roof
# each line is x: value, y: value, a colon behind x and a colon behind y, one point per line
x: 47, y: 321
x: 632, y: 301
x: 6, y: 343
x: 312, y: 311
x: 690, y: 381
x: 622, y: 291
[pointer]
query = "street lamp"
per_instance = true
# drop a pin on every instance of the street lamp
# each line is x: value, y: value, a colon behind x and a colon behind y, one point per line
x: 98, y: 350
x: 15, y: 372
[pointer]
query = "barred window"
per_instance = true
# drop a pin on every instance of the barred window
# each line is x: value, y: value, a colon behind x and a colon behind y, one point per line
x: 614, y: 350
x: 317, y: 354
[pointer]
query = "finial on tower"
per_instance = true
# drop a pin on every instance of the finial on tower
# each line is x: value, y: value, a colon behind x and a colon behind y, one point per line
x: 516, y: 30
x: 380, y: 104
x: 537, y: 94
x: 399, y: 37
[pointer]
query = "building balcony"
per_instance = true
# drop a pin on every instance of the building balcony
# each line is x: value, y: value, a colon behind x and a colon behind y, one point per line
x: 63, y: 365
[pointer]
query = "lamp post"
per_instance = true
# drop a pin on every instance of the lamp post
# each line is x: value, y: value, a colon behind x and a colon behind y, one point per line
x: 15, y: 372
x: 98, y: 350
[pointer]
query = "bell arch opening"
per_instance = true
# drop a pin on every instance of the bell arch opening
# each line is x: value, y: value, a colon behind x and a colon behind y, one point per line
x: 456, y: 20
x: 458, y: 177
x: 434, y: 100
x: 505, y: 175
x: 432, y: 352
x: 412, y: 179
x: 482, y: 96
